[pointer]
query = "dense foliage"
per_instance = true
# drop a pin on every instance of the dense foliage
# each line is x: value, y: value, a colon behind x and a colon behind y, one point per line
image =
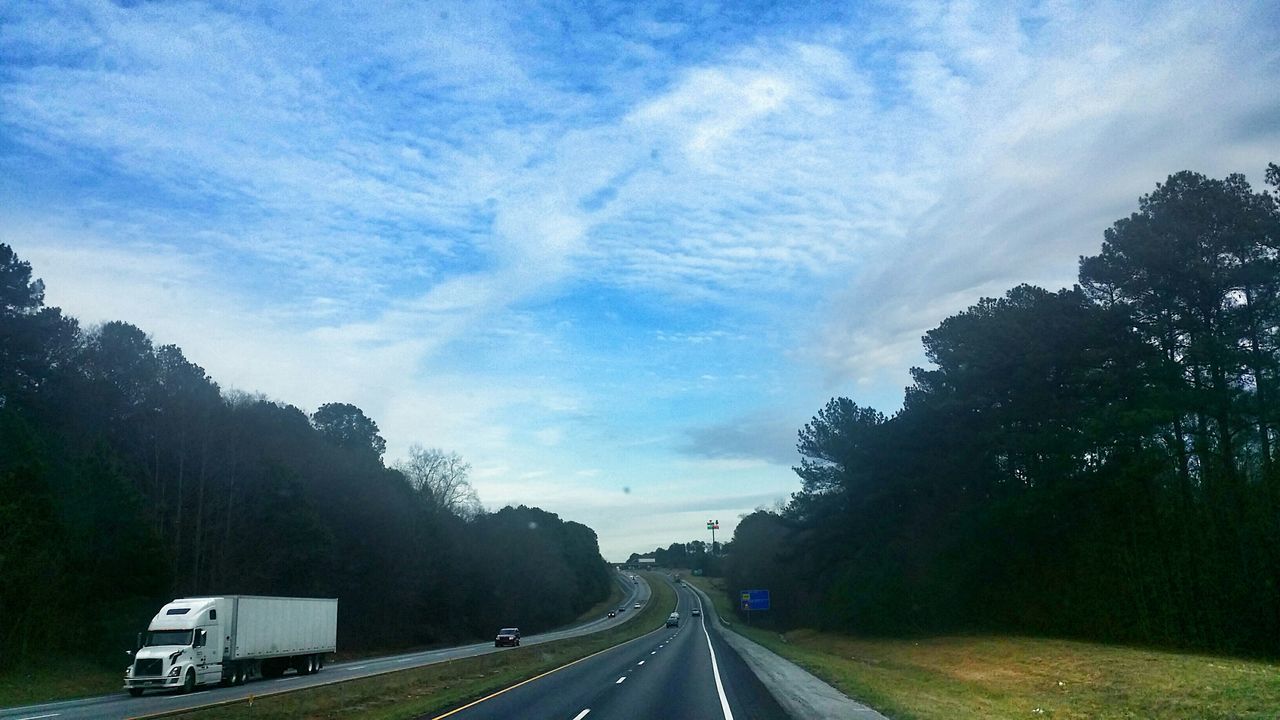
x: 128, y: 478
x: 1099, y: 461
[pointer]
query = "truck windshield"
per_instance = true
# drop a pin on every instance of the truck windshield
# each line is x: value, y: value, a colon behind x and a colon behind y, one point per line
x: 167, y: 637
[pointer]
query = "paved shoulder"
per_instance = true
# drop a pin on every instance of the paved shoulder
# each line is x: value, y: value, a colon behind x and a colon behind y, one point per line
x: 799, y: 693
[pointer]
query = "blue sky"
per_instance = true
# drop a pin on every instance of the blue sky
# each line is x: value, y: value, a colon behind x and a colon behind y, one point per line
x: 615, y: 256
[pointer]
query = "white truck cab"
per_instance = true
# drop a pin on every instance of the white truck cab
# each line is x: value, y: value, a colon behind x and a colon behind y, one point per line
x: 182, y: 647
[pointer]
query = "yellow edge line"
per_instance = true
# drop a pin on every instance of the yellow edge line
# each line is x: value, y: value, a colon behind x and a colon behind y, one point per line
x: 473, y: 703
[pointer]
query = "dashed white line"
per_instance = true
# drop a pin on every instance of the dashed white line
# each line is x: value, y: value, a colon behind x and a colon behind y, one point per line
x: 640, y: 663
x: 37, y: 717
x: 358, y: 667
x: 655, y: 652
x: 624, y: 677
x: 582, y: 714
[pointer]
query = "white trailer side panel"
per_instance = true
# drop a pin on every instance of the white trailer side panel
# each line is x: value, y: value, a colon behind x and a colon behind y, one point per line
x: 273, y: 626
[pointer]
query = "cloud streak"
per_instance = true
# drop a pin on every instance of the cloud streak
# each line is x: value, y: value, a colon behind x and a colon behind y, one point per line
x: 609, y: 246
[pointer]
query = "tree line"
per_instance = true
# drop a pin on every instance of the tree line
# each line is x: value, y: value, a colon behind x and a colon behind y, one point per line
x: 1096, y: 462
x: 704, y: 557
x: 128, y: 477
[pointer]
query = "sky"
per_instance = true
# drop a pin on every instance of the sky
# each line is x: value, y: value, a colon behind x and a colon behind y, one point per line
x: 613, y: 254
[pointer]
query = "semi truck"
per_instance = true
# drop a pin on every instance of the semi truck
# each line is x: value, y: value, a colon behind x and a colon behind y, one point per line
x: 231, y: 639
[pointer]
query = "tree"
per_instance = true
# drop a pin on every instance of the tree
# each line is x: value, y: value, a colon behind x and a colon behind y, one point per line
x: 440, y: 479
x: 35, y: 341
x: 347, y: 426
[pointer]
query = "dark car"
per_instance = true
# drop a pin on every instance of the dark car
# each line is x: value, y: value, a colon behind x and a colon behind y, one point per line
x: 613, y: 613
x: 622, y: 609
x: 507, y: 636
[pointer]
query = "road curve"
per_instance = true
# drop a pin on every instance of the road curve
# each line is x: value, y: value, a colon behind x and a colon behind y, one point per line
x: 119, y: 706
x: 680, y: 673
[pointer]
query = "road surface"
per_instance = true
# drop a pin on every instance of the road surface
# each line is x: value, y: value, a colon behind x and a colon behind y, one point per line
x: 120, y: 706
x: 681, y: 673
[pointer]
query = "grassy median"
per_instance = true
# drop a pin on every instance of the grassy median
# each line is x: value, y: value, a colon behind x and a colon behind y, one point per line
x: 437, y: 688
x: 966, y: 678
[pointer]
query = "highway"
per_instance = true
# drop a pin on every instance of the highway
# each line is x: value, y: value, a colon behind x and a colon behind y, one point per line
x: 682, y: 673
x: 120, y: 706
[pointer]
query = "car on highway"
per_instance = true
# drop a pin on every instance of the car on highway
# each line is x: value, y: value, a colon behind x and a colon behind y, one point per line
x: 696, y: 612
x: 636, y: 606
x: 613, y: 613
x: 622, y: 609
x: 673, y: 620
x: 507, y: 636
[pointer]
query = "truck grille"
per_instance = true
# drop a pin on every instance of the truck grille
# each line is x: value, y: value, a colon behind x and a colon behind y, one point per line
x: 144, y: 667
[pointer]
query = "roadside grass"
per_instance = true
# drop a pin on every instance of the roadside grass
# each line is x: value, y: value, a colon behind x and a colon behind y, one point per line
x: 971, y: 677
x: 60, y: 680
x: 70, y: 678
x: 438, y: 688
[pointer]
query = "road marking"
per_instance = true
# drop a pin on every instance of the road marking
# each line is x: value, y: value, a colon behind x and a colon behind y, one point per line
x: 624, y: 677
x: 37, y: 717
x: 358, y: 667
x: 535, y: 677
x: 655, y: 652
x: 715, y: 669
x: 640, y: 663
x: 582, y: 714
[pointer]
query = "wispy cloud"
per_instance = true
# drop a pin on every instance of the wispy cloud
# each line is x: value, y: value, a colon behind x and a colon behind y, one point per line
x: 614, y: 244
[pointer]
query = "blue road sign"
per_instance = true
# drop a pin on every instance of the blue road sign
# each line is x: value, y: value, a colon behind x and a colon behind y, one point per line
x: 755, y: 599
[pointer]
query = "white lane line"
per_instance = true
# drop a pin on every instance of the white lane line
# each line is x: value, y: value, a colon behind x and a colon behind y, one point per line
x: 655, y: 652
x: 640, y: 663
x: 37, y: 717
x: 624, y: 677
x: 582, y: 714
x: 358, y: 667
x: 715, y: 669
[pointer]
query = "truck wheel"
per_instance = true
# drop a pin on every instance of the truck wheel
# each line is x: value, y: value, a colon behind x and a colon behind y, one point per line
x: 136, y: 692
x: 189, y: 682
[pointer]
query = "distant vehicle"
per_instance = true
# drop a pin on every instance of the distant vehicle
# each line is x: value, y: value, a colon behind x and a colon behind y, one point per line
x: 197, y: 641
x: 673, y: 620
x: 696, y: 612
x: 622, y: 609
x: 613, y: 613
x: 507, y: 636
x: 636, y: 606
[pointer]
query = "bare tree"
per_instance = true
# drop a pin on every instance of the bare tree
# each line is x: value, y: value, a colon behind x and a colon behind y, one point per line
x: 441, y: 478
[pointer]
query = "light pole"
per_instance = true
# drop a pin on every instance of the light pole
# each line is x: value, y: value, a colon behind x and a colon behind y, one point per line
x: 713, y: 526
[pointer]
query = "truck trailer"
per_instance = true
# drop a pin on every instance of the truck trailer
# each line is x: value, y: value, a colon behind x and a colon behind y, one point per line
x: 197, y: 641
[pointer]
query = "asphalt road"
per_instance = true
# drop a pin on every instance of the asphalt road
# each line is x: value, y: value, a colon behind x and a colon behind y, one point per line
x: 681, y: 673
x: 120, y: 706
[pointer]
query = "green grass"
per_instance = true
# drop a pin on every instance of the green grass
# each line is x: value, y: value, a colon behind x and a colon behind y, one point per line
x: 966, y: 678
x: 437, y: 688
x: 60, y: 680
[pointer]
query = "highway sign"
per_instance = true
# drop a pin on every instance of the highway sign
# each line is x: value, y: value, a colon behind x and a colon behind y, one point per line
x: 755, y: 599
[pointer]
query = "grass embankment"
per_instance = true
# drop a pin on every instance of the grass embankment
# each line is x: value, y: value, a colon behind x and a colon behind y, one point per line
x: 437, y: 688
x: 963, y: 678
x: 71, y: 679
x: 60, y: 681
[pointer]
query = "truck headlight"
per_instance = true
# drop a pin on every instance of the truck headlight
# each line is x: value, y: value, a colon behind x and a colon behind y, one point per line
x: 174, y: 671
